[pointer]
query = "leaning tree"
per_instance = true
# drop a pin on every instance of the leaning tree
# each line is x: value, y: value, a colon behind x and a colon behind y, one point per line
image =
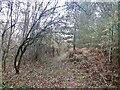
x: 37, y: 23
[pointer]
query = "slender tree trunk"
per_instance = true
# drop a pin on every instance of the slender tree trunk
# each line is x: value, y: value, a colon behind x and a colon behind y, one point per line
x: 36, y: 53
x: 74, y: 39
x: 20, y: 52
x: 18, y: 59
x: 112, y: 41
x: 5, y: 54
x: 19, y: 62
x: 74, y: 42
x: 3, y: 59
x: 110, y: 45
x: 119, y: 43
x: 53, y: 51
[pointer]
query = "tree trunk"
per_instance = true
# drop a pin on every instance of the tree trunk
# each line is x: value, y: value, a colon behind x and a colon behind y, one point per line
x: 18, y: 59
x: 21, y: 50
x: 5, y: 53
x: 74, y: 42
x: 4, y: 61
x: 119, y: 43
x: 110, y: 47
x: 53, y: 51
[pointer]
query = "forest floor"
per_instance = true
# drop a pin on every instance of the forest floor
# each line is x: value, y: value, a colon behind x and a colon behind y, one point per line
x: 59, y: 72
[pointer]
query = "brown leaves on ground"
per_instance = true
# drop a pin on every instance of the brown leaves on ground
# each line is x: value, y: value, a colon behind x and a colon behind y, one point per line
x: 91, y: 69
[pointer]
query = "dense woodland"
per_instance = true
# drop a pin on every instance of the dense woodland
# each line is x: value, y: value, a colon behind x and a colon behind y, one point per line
x: 46, y: 44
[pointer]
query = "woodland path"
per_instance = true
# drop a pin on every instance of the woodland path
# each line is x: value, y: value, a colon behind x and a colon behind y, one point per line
x: 57, y: 72
x: 64, y: 73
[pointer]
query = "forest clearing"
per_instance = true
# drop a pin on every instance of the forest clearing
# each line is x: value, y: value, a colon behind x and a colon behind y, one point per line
x: 59, y: 44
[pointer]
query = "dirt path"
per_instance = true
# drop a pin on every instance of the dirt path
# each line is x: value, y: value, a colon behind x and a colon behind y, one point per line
x: 64, y: 73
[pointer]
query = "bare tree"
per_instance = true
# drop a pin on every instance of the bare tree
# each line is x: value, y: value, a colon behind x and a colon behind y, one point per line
x: 44, y: 18
x: 7, y: 32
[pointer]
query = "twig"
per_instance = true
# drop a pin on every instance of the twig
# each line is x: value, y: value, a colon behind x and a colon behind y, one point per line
x: 104, y: 79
